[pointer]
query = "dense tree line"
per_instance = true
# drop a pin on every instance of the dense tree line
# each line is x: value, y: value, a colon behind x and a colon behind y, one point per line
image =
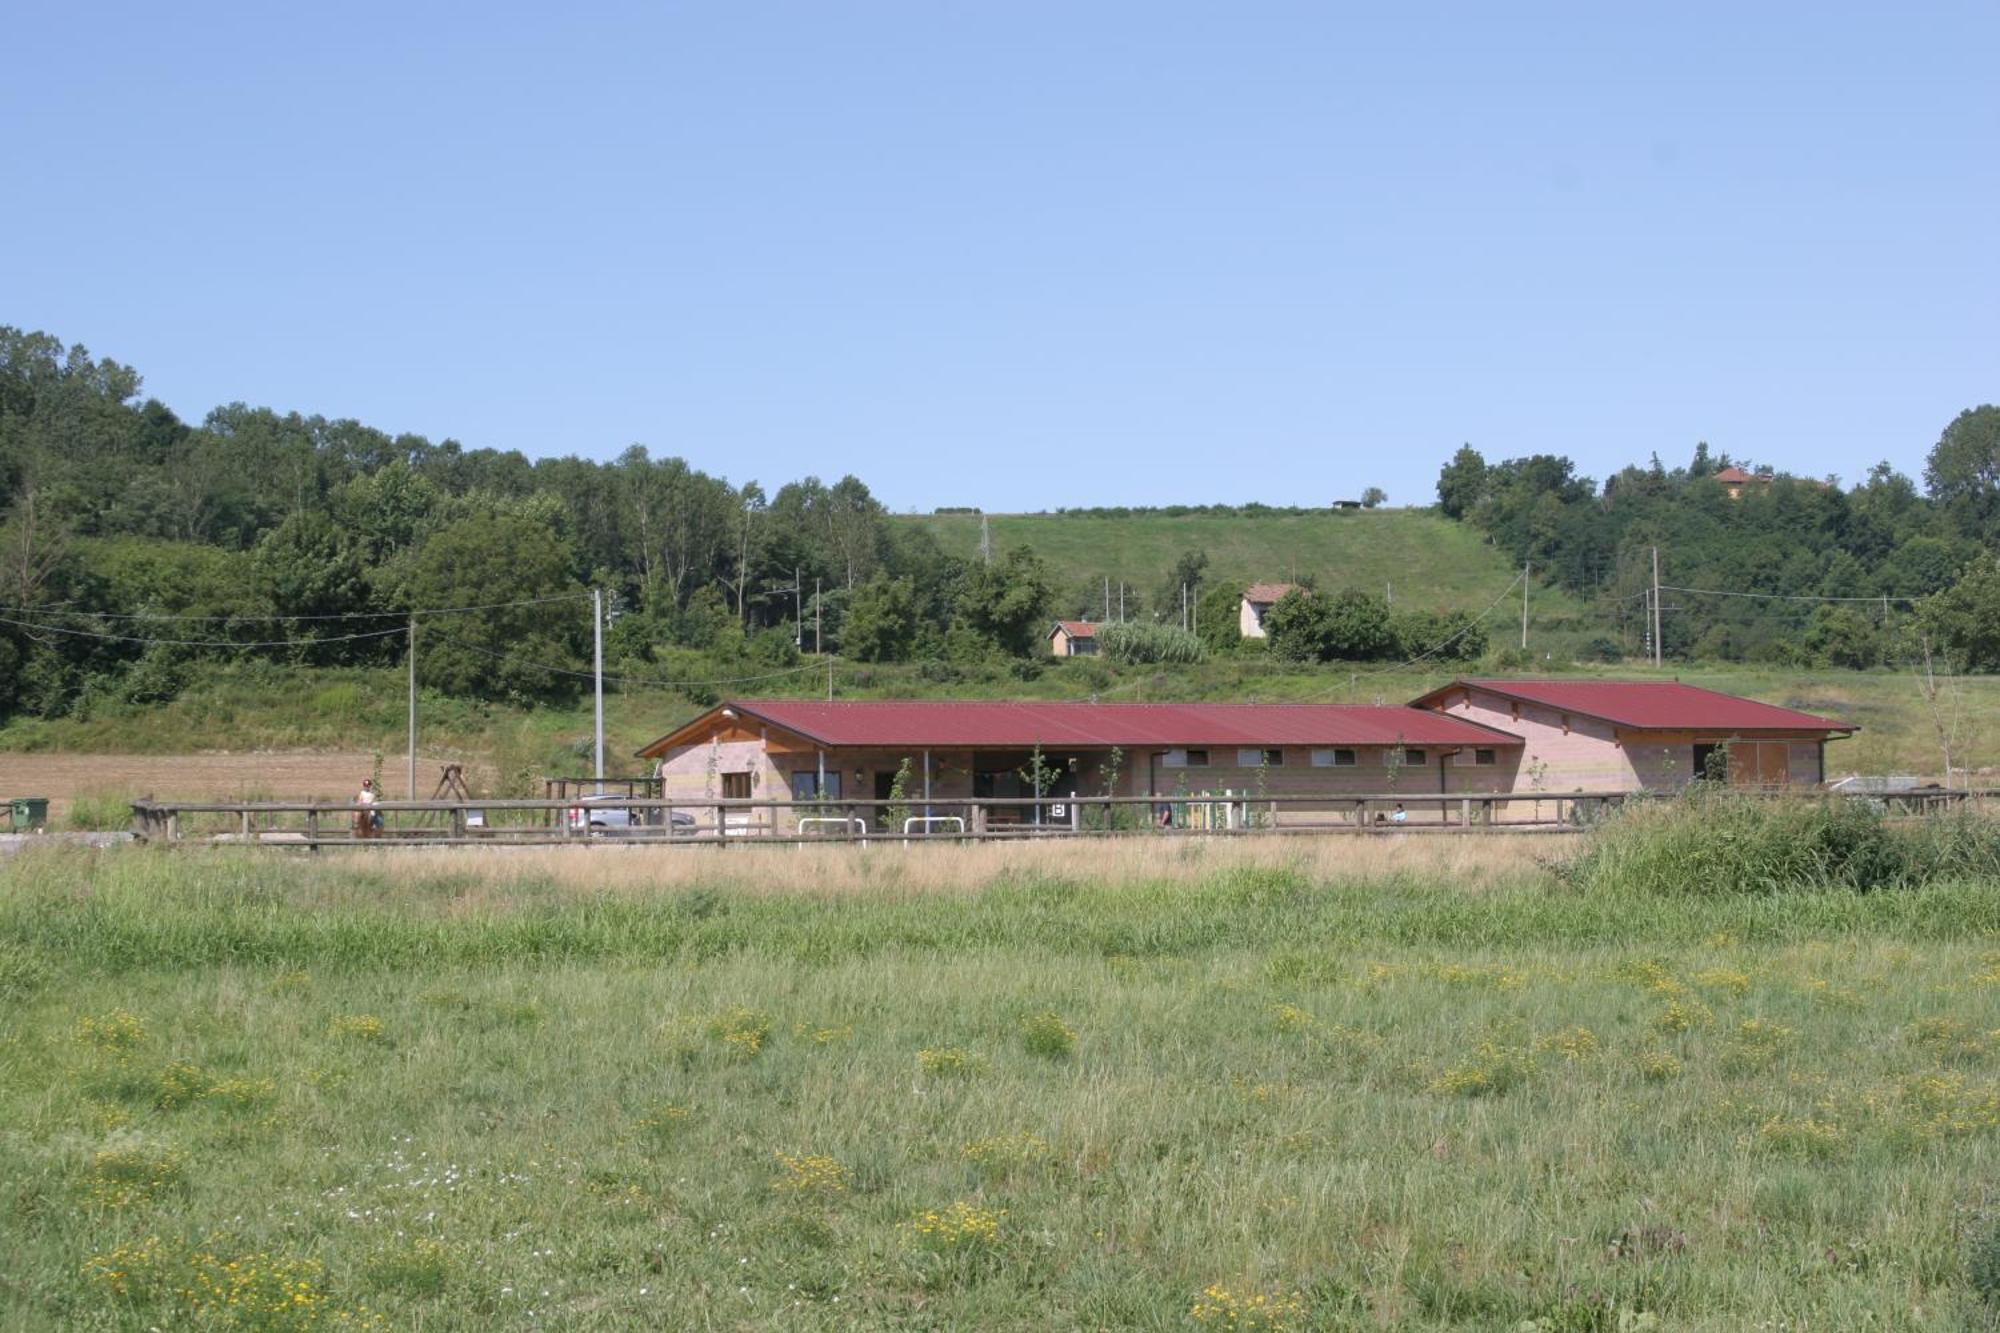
x: 134, y: 546
x: 1789, y: 569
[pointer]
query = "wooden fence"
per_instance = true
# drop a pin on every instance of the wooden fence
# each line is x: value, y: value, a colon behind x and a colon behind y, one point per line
x: 718, y: 822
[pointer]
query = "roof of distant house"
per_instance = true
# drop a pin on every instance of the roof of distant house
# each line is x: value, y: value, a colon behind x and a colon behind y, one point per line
x: 1649, y: 705
x: 1077, y: 629
x: 1736, y: 476
x: 1266, y: 593
x: 966, y: 723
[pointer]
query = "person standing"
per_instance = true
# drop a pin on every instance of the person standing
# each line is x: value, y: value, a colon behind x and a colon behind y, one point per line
x: 367, y: 821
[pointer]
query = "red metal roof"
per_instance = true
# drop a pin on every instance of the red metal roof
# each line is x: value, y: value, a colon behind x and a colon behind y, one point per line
x: 1734, y: 474
x: 1058, y: 725
x: 1078, y: 629
x: 1650, y: 705
x: 1267, y: 592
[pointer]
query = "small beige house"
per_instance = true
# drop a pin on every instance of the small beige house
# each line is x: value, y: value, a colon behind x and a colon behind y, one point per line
x: 1073, y: 638
x: 1259, y: 598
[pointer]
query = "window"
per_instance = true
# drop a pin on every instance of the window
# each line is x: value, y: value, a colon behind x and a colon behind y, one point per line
x: 735, y: 786
x: 805, y: 785
x: 1186, y: 759
x: 1484, y: 758
x: 1334, y: 759
x: 1416, y: 758
x: 1197, y: 759
x: 1260, y: 758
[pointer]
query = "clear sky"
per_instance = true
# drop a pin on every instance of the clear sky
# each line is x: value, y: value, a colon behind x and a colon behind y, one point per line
x: 1022, y: 255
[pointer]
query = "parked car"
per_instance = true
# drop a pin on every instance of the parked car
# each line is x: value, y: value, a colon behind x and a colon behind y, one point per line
x: 601, y: 819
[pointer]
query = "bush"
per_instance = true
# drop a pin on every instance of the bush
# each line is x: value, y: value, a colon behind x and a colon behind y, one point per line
x: 1133, y: 644
x: 1712, y: 842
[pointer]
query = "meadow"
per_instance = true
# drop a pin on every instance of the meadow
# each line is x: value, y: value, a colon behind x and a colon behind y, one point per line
x: 1388, y: 1084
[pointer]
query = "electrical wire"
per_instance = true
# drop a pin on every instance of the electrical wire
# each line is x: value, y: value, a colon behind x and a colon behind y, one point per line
x: 201, y: 643
x: 1784, y: 596
x: 331, y: 615
x: 631, y: 680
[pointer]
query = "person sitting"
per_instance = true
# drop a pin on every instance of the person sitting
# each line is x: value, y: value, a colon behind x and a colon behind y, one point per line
x: 1399, y: 815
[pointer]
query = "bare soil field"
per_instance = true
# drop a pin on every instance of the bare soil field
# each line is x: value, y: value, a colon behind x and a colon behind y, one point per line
x: 276, y: 775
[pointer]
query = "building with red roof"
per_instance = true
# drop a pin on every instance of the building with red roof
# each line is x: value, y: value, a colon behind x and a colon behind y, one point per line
x: 1257, y: 599
x: 1630, y: 735
x: 1469, y: 737
x: 1073, y: 638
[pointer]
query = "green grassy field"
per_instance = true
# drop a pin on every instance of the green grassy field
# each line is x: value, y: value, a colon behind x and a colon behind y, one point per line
x: 1227, y: 1088
x: 1430, y: 561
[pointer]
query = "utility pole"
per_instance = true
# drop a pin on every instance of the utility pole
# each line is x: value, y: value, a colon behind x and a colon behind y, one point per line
x: 1656, y: 606
x: 597, y: 681
x: 1184, y: 608
x: 413, y: 708
x: 1107, y: 597
x: 798, y: 606
x: 817, y: 646
x: 1525, y: 565
x: 829, y: 697
x: 1121, y: 601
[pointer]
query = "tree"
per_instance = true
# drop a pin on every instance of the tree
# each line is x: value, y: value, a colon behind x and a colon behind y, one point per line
x: 1462, y: 483
x: 1965, y: 618
x: 881, y: 620
x: 493, y: 557
x: 1357, y: 627
x: 1297, y: 627
x: 1963, y: 472
x: 311, y: 566
x: 1007, y: 601
x: 1374, y: 497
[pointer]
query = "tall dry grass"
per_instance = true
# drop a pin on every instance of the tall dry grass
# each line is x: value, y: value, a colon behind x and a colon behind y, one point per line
x: 875, y: 868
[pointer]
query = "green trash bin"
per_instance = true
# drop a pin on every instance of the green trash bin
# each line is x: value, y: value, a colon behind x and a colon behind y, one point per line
x: 30, y: 814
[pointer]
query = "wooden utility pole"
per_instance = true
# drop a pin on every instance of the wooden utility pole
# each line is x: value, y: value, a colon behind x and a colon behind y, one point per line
x: 413, y: 708
x: 597, y: 682
x: 1525, y: 567
x: 1656, y: 606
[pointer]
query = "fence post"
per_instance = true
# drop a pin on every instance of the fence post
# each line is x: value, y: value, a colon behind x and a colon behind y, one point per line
x: 978, y: 820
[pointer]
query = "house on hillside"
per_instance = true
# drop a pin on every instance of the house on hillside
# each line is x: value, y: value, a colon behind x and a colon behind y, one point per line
x: 1734, y: 480
x: 1073, y: 638
x: 793, y: 749
x: 1642, y: 735
x: 1259, y: 598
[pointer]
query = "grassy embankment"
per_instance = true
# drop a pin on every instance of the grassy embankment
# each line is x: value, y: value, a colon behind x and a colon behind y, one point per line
x: 778, y: 1090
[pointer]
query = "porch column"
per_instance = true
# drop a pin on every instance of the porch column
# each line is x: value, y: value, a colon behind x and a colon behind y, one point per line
x: 927, y: 788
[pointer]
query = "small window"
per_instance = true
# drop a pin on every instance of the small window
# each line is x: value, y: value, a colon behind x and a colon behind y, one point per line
x: 1334, y: 759
x: 735, y: 786
x: 1485, y: 758
x: 1260, y: 758
x: 1416, y: 758
x: 1197, y: 759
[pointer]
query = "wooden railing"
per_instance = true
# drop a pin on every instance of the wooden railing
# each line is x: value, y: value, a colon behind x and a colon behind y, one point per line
x: 723, y: 822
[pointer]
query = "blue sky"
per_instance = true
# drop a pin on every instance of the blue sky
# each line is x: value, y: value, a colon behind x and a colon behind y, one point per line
x: 1026, y: 255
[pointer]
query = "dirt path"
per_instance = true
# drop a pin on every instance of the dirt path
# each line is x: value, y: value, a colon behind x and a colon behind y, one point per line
x: 281, y: 775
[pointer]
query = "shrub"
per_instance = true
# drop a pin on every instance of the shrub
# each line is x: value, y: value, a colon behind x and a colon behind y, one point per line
x: 1711, y: 842
x: 1046, y: 1034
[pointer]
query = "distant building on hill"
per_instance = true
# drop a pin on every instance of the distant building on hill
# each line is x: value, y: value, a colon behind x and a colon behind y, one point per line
x: 1257, y: 599
x: 1735, y: 480
x: 1073, y: 638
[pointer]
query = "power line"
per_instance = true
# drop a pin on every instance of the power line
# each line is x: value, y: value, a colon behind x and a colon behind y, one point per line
x: 629, y: 680
x: 200, y: 643
x: 1784, y: 596
x: 273, y: 619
